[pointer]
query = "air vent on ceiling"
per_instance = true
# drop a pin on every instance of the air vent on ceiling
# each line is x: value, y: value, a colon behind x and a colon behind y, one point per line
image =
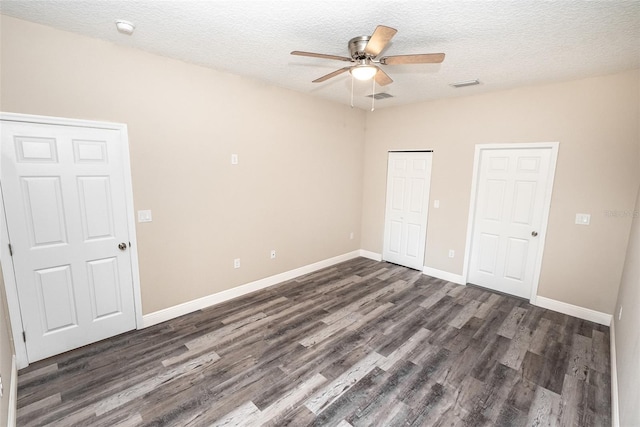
x: 380, y: 96
x: 465, y: 83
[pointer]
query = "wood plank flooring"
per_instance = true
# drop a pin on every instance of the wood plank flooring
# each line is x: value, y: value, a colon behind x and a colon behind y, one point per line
x: 362, y: 343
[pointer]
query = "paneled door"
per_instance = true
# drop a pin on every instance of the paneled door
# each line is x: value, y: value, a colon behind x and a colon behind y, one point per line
x: 512, y: 186
x: 405, y: 230
x: 66, y: 213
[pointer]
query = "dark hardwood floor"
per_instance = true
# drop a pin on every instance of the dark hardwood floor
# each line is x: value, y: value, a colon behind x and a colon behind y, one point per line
x: 361, y: 343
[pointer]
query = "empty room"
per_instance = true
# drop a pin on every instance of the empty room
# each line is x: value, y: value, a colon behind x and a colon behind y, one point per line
x: 363, y: 213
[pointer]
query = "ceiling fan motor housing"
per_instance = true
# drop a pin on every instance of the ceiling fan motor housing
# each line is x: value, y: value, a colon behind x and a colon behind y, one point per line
x: 357, y: 46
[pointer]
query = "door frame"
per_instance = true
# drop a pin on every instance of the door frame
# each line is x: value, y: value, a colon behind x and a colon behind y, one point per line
x: 10, y: 283
x: 546, y: 206
x: 426, y: 201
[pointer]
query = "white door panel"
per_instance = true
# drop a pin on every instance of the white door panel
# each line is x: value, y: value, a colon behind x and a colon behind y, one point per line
x: 66, y: 212
x: 516, y: 258
x: 44, y: 212
x: 54, y: 287
x: 511, y: 190
x: 488, y: 252
x: 105, y: 298
x: 395, y: 234
x: 408, y: 181
x: 95, y: 207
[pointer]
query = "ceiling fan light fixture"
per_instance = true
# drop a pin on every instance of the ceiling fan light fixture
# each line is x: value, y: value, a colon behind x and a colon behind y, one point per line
x: 363, y: 72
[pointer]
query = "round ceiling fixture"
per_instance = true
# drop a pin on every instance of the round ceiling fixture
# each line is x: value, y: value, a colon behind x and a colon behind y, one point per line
x: 363, y: 72
x: 125, y: 27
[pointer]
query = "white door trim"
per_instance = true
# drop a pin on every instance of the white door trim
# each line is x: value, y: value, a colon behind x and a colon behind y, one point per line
x: 5, y: 257
x: 11, y: 291
x: 546, y: 205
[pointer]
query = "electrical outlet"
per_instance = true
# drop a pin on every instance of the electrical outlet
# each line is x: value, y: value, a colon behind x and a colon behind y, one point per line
x: 234, y: 159
x: 620, y: 313
x: 351, y: 236
x: 273, y: 254
x: 236, y: 263
x: 436, y: 204
x: 452, y: 253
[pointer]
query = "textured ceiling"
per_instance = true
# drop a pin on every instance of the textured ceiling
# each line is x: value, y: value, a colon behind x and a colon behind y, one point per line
x: 505, y: 44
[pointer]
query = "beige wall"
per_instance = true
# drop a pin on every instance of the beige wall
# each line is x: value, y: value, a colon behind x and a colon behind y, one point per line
x: 301, y: 186
x: 595, y: 121
x: 297, y: 188
x: 6, y: 354
x: 627, y: 334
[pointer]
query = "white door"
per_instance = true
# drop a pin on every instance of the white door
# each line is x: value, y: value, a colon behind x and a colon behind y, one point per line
x: 510, y: 210
x: 405, y: 228
x: 65, y: 206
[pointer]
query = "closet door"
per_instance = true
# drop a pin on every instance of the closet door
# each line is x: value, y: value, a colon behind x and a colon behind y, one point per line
x: 405, y: 231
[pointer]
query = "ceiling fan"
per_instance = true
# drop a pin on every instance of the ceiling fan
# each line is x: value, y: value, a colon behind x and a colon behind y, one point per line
x: 364, y: 51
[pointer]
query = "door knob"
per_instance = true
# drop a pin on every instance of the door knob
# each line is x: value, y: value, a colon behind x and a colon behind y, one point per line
x: 122, y: 246
x: 534, y: 233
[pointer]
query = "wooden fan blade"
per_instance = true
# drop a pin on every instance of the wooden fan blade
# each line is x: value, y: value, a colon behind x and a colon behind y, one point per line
x: 379, y: 39
x: 426, y: 58
x: 382, y: 78
x: 321, y: 55
x: 333, y: 74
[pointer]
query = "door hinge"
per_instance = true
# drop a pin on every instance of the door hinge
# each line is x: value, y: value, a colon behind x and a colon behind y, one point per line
x: 24, y: 336
x: 129, y: 244
x: 10, y: 250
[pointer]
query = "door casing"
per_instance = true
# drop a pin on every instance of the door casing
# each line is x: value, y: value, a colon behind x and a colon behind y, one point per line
x: 5, y: 257
x: 546, y: 207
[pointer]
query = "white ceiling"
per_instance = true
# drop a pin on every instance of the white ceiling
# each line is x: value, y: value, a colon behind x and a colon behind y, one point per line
x: 505, y: 44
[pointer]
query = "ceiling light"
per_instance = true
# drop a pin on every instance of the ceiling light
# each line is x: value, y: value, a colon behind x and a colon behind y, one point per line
x: 466, y: 83
x: 125, y: 27
x: 363, y: 72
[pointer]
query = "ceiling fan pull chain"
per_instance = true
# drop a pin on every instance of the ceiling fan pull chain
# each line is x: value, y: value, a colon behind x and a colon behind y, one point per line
x: 373, y: 96
x: 351, y: 91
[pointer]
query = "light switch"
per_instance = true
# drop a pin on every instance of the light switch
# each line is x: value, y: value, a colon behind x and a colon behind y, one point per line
x: 144, y: 216
x: 436, y: 204
x: 583, y: 219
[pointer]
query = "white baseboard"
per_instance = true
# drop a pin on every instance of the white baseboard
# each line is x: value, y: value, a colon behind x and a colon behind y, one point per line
x: 13, y: 394
x: 615, y: 409
x: 438, y: 274
x: 371, y: 255
x: 573, y: 310
x: 444, y: 275
x: 219, y: 297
